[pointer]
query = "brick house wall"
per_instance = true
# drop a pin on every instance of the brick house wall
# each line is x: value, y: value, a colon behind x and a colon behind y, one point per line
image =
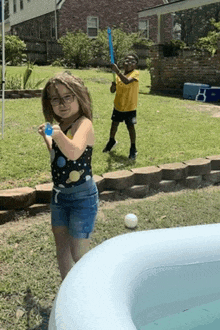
x: 39, y: 32
x: 73, y: 15
x: 41, y: 27
x: 168, y: 74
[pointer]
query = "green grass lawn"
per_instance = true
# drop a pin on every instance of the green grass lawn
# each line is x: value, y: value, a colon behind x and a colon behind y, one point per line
x: 168, y: 130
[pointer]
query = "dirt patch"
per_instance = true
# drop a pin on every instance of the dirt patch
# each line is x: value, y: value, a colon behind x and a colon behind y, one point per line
x: 23, y: 221
x: 212, y: 109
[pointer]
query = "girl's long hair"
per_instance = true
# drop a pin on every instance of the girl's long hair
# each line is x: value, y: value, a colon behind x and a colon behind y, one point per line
x: 76, y: 86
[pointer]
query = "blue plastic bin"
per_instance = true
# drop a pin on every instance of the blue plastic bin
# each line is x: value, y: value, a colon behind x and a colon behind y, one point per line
x: 209, y: 94
x: 213, y: 94
x: 190, y: 90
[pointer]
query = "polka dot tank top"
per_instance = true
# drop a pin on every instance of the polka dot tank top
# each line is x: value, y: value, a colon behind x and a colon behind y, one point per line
x: 68, y: 173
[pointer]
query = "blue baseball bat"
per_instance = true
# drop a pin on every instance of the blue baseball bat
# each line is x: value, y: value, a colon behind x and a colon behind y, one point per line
x: 111, y: 51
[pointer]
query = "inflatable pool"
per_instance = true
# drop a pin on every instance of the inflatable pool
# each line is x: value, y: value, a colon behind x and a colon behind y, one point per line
x: 158, y: 279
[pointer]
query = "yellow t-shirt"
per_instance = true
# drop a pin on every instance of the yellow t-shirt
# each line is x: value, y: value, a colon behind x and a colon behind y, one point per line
x: 126, y: 97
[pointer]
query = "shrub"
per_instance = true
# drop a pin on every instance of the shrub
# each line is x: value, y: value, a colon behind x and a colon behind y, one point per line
x: 58, y: 62
x: 14, y: 50
x: 20, y: 81
x: 148, y: 63
x: 122, y: 44
x: 139, y: 40
x: 100, y: 46
x: 77, y: 49
x: 210, y: 42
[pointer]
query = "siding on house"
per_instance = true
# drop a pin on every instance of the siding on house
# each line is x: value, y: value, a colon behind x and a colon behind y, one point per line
x: 41, y: 27
x: 31, y: 9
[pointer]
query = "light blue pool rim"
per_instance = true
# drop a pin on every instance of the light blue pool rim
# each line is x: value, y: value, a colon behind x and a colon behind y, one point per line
x: 133, y: 279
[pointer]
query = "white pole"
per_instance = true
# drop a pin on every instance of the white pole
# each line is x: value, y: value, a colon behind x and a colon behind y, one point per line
x: 3, y: 65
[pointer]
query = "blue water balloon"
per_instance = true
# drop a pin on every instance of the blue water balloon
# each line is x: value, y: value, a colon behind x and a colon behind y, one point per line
x: 48, y: 130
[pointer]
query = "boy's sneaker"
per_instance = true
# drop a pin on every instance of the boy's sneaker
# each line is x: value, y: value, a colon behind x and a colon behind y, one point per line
x: 133, y: 154
x: 109, y: 146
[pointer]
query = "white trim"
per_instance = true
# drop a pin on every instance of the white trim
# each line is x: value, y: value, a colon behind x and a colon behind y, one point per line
x: 60, y: 4
x: 174, y: 7
x: 32, y: 10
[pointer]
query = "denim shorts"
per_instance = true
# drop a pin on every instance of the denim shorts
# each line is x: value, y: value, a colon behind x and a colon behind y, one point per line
x: 75, y: 208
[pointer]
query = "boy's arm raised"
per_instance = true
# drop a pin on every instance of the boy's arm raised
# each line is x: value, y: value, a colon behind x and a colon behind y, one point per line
x: 123, y: 78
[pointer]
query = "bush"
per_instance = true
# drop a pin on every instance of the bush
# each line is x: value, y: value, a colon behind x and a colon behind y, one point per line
x: 100, y: 46
x: 77, y: 49
x: 210, y: 42
x: 148, y: 63
x: 59, y: 62
x: 20, y: 81
x: 139, y: 40
x: 122, y: 44
x: 14, y: 50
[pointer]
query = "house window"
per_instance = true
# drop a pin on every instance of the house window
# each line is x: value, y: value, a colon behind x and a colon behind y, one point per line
x: 15, y: 5
x: 21, y: 4
x: 143, y: 27
x: 92, y: 26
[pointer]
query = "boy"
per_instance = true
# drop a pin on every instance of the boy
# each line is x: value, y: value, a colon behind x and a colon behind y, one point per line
x: 125, y: 103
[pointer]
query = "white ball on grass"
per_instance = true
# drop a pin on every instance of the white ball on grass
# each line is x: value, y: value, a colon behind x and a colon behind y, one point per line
x: 131, y: 220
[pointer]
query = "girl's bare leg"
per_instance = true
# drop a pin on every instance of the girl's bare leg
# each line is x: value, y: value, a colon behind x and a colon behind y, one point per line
x: 78, y: 247
x: 64, y: 257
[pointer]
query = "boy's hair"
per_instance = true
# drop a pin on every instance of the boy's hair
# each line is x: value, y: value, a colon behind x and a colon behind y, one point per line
x: 76, y: 87
x: 134, y: 55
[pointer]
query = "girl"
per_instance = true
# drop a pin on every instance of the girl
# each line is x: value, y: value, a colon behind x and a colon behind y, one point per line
x: 74, y: 201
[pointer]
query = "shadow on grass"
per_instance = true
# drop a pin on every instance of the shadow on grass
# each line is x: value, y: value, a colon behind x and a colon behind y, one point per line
x: 171, y: 94
x: 121, y: 160
x: 31, y: 306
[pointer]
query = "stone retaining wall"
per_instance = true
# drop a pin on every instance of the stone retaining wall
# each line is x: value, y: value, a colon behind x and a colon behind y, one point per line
x: 135, y: 183
x: 22, y: 93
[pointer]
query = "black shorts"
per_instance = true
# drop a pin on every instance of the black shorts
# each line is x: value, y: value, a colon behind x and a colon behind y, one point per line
x: 128, y: 116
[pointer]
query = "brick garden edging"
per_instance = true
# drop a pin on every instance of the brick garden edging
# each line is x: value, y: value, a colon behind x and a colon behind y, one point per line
x: 22, y: 93
x: 134, y: 183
